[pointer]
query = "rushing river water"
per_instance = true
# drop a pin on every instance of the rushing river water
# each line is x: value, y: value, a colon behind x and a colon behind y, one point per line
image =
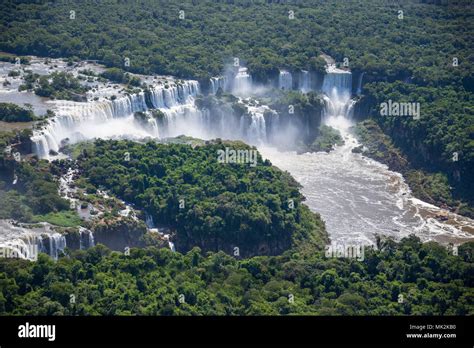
x: 357, y: 197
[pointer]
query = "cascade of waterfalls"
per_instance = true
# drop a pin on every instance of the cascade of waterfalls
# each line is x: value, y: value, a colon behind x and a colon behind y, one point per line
x: 241, y: 82
x: 167, y: 109
x: 25, y: 243
x: 104, y: 119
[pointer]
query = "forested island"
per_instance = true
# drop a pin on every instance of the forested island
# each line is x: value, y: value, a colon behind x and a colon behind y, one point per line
x: 119, y: 183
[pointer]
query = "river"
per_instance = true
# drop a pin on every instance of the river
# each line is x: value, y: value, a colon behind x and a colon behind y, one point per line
x: 357, y: 197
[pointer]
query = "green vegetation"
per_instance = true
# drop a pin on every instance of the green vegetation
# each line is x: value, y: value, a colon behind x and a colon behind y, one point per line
x: 212, y: 205
x: 379, y: 146
x: 327, y: 138
x: 429, y: 279
x: 13, y: 113
x: 13, y: 73
x: 62, y: 218
x: 57, y: 85
x: 12, y: 58
x: 437, y: 148
x: 433, y: 188
x: 35, y: 192
x: 306, y: 104
x: 119, y: 76
x: 260, y: 33
x: 60, y: 85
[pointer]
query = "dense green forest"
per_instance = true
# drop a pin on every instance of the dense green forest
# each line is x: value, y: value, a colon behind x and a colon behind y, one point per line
x: 439, y: 143
x: 13, y: 113
x: 213, y: 205
x: 398, y: 279
x: 412, y: 51
x: 267, y: 35
x: 426, y: 46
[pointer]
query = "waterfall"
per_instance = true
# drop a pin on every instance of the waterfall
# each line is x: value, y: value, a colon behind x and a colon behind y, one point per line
x: 285, y: 80
x: 26, y: 243
x: 167, y: 109
x: 216, y: 83
x: 57, y: 243
x: 337, y: 83
x: 71, y: 115
x: 77, y: 121
x: 26, y: 247
x: 86, y: 238
x: 253, y: 127
x: 91, y: 239
x: 150, y: 223
x: 304, y: 84
x: 242, y: 82
x: 359, y: 83
x: 339, y: 106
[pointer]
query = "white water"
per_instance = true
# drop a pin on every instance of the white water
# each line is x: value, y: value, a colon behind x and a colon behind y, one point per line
x: 356, y: 196
x: 114, y: 118
x: 337, y: 84
x: 359, y: 83
x: 218, y: 82
x: 242, y: 82
x: 86, y: 238
x: 26, y: 243
x: 285, y: 80
x: 109, y: 119
x: 304, y: 81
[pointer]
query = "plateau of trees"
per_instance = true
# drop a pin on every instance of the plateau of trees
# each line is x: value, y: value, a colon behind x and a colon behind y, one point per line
x: 118, y: 75
x: 215, y: 206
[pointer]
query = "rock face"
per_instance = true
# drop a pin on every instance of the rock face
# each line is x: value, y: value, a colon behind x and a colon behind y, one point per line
x: 237, y: 247
x: 119, y: 234
x: 379, y: 147
x: 116, y: 235
x: 364, y: 107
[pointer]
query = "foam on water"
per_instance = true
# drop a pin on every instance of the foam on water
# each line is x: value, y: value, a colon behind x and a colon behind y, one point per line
x: 356, y: 196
